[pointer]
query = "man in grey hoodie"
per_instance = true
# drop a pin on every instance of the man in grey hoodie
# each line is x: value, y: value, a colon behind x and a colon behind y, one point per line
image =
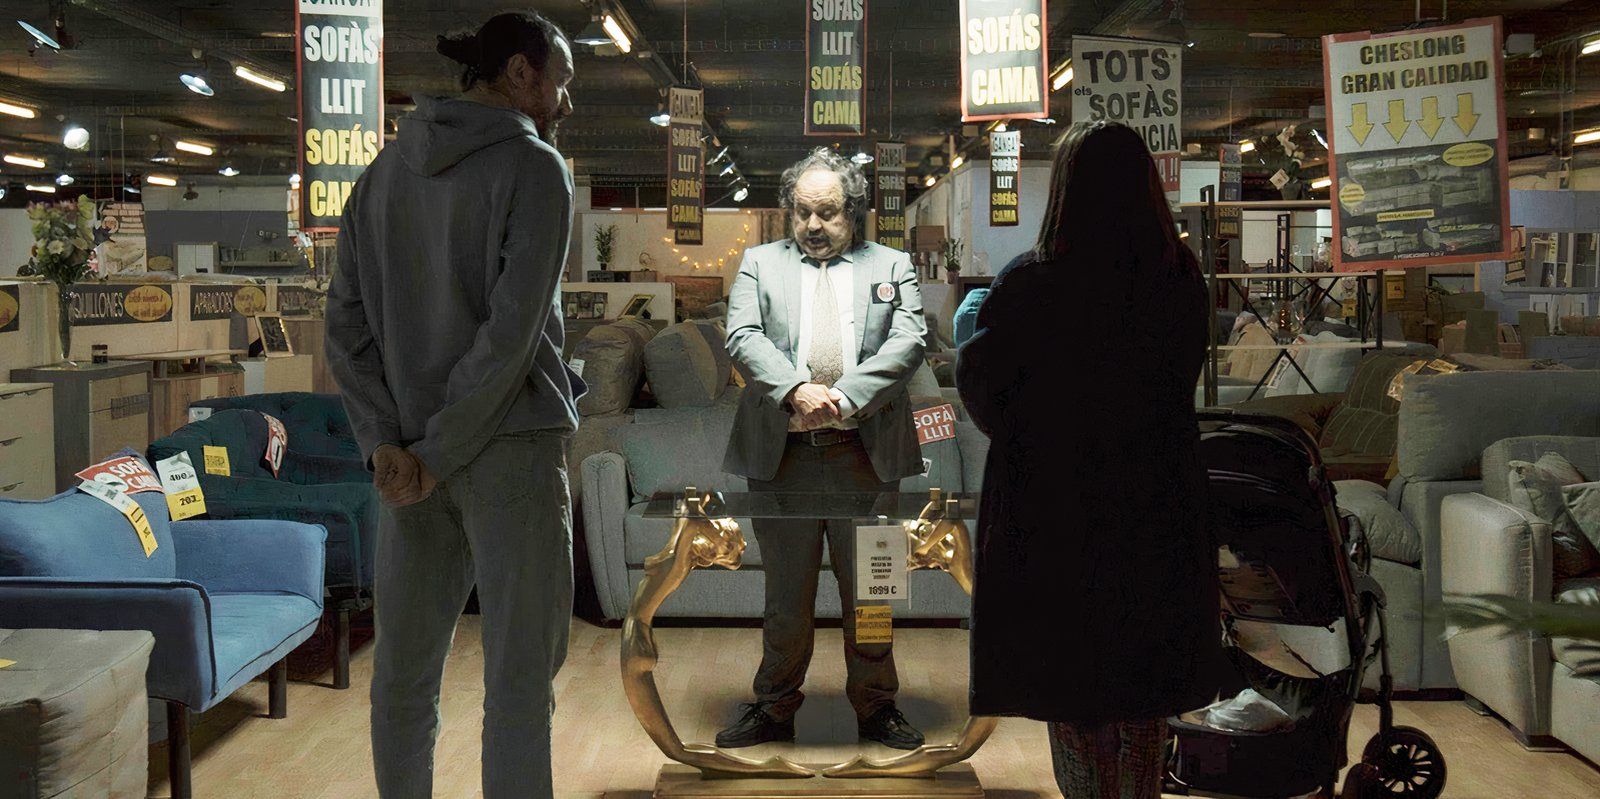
x: 445, y: 336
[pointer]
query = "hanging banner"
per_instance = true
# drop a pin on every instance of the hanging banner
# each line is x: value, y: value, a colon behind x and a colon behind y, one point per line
x: 891, y: 174
x: 340, y: 85
x: 1229, y: 190
x: 1139, y: 84
x: 113, y: 304
x: 10, y: 309
x: 836, y: 66
x: 1417, y: 146
x: 1005, y: 168
x: 686, y: 180
x: 123, y: 251
x: 1004, y: 61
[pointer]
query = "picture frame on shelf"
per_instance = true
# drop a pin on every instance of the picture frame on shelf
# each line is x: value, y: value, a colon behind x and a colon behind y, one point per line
x: 269, y: 338
x: 638, y: 307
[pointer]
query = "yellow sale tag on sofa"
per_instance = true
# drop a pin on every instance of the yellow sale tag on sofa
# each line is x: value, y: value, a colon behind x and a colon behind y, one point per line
x: 874, y: 624
x: 7, y: 663
x: 128, y: 508
x: 184, y: 499
x: 217, y: 461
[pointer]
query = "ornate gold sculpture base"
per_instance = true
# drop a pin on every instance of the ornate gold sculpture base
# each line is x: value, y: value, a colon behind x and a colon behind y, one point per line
x: 684, y: 782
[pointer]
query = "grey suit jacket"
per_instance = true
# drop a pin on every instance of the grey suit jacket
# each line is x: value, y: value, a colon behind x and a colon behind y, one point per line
x: 764, y: 334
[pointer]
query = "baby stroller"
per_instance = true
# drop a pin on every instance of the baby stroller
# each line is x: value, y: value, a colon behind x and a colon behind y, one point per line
x: 1289, y: 570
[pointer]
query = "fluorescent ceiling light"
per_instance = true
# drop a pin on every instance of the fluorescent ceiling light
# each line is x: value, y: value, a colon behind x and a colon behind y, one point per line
x: 40, y: 36
x: 65, y: 179
x: 955, y: 163
x: 160, y: 180
x: 930, y: 181
x: 193, y: 147
x: 1062, y: 78
x: 41, y: 188
x: 17, y: 110
x: 1246, y: 146
x: 23, y: 160
x: 618, y: 37
x: 76, y: 138
x: 1321, y: 183
x: 264, y: 81
x: 197, y: 84
x: 740, y: 195
x: 661, y: 118
x: 861, y: 159
x: 227, y: 171
x: 1591, y: 47
x: 1586, y: 137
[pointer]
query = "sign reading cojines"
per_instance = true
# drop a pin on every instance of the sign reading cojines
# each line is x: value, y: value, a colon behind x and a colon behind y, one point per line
x: 836, y: 66
x: 891, y: 174
x: 340, y: 82
x: 686, y: 184
x: 1139, y: 84
x: 1004, y: 60
x: 1417, y: 146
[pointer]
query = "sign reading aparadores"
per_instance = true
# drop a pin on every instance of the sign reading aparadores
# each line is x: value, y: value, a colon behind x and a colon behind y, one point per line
x: 341, y: 102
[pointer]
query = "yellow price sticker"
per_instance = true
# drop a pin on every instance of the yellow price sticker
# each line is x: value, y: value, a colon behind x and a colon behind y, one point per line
x: 184, y: 498
x: 7, y: 663
x: 186, y: 505
x: 217, y: 461
x: 874, y: 624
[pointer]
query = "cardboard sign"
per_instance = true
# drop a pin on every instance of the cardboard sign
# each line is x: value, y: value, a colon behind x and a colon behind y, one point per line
x: 127, y: 473
x: 880, y: 563
x: 184, y: 498
x: 686, y: 166
x: 1139, y: 84
x: 129, y: 509
x: 120, y: 304
x: 836, y: 67
x: 1005, y: 169
x: 1005, y: 60
x: 935, y: 424
x: 1417, y: 146
x: 10, y: 309
x: 891, y: 178
x: 217, y: 461
x: 340, y: 86
x: 874, y: 624
x: 277, y: 443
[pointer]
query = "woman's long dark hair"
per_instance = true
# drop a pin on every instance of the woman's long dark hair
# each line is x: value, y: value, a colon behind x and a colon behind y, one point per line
x: 483, y: 55
x: 1107, y: 205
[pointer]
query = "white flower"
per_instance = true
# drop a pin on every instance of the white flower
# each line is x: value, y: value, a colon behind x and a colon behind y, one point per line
x: 55, y: 247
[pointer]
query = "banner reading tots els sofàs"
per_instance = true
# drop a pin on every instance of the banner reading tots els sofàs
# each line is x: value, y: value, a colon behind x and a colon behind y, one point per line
x: 1004, y: 60
x: 1139, y: 84
x: 340, y: 43
x: 1417, y: 146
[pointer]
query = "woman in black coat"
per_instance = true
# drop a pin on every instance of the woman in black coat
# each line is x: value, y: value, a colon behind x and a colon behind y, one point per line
x: 1096, y: 600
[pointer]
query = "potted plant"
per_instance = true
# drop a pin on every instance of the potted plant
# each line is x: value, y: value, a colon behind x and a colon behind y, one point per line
x: 63, y: 242
x: 605, y: 237
x: 953, y: 249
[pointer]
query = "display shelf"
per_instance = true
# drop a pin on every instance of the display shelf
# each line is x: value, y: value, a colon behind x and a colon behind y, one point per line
x: 1309, y: 345
x: 1292, y: 275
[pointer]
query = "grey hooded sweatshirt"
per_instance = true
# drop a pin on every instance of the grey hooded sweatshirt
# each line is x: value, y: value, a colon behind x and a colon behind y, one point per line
x: 444, y: 327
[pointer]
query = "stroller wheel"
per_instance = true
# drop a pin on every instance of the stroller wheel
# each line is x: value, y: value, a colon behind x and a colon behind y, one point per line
x: 1406, y: 762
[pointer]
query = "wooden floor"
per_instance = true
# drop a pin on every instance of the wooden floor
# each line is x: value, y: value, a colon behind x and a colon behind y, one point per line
x: 321, y: 750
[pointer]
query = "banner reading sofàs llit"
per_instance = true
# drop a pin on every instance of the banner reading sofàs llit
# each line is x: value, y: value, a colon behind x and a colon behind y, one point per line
x: 340, y: 81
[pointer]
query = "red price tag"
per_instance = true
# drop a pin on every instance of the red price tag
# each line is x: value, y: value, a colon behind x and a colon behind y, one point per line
x: 277, y: 443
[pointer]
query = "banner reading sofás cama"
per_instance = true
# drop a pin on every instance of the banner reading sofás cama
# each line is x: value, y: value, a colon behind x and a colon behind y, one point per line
x: 1417, y: 146
x: 836, y: 67
x: 340, y: 81
x: 1004, y: 60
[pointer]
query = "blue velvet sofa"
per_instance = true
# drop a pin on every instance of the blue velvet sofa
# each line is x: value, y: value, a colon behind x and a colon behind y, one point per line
x: 225, y: 600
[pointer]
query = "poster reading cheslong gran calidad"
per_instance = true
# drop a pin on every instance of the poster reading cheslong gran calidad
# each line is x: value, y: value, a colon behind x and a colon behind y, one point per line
x: 1417, y: 146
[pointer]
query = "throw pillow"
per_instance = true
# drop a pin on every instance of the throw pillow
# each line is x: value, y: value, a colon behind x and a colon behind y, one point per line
x: 1583, y: 504
x: 1537, y: 489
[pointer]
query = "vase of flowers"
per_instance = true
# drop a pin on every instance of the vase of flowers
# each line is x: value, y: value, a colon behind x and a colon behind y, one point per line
x: 63, y: 242
x: 605, y: 237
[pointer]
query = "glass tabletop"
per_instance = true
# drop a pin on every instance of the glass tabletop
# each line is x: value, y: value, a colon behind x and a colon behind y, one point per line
x: 896, y: 506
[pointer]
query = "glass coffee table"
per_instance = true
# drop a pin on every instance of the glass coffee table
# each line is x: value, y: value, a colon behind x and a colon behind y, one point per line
x: 706, y: 535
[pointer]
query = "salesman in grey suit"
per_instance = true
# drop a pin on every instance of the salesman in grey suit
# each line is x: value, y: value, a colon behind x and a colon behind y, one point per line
x: 827, y: 329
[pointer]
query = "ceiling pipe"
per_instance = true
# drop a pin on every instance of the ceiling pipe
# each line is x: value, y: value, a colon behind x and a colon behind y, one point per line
x: 177, y: 34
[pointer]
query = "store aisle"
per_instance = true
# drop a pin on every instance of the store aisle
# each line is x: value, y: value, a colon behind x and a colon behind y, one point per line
x: 321, y: 751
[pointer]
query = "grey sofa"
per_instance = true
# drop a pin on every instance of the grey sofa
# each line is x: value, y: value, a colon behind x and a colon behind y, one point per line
x: 1491, y: 547
x: 665, y: 450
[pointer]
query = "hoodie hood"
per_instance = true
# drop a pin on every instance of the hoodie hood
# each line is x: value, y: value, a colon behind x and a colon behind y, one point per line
x: 442, y: 131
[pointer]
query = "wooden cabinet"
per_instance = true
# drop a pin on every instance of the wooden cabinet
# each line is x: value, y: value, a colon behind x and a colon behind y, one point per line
x: 27, y: 441
x: 99, y: 409
x: 307, y: 336
x: 170, y: 397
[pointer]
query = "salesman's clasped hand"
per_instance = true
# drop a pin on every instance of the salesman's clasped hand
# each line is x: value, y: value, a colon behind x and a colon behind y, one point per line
x: 399, y: 477
x: 816, y: 405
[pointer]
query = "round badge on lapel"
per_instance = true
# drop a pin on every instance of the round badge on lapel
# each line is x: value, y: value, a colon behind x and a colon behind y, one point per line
x: 885, y: 292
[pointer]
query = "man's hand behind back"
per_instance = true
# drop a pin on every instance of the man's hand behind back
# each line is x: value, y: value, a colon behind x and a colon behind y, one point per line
x: 399, y: 477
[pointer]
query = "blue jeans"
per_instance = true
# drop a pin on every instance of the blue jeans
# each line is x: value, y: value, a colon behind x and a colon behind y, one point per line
x: 505, y: 524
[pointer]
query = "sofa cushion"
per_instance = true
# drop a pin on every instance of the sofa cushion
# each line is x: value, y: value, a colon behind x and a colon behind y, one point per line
x: 613, y: 365
x: 76, y: 535
x: 1365, y: 423
x: 668, y: 450
x: 1537, y: 489
x: 1583, y: 504
x: 1447, y: 421
x: 684, y: 368
x: 1390, y: 536
x: 246, y: 626
x: 1568, y: 652
x: 1330, y: 369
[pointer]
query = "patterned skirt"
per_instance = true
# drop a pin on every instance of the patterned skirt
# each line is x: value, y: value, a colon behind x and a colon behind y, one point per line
x: 1121, y: 760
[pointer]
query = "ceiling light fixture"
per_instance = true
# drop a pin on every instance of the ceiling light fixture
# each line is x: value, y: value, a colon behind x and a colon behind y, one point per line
x: 1001, y: 127
x: 65, y: 179
x: 955, y: 163
x: 191, y: 195
x: 1265, y: 35
x: 197, y: 84
x: 1587, y: 137
x: 861, y: 158
x: 1063, y: 77
x: 722, y: 155
x: 1045, y: 121
x: 259, y: 79
x: 741, y: 193
x: 39, y: 36
x: 41, y: 188
x: 294, y: 180
x: 729, y: 168
x: 930, y: 181
x: 618, y: 36
x: 160, y: 180
x: 593, y: 34
x: 23, y: 160
x: 194, y: 147
x: 661, y: 118
x: 1248, y: 145
x: 17, y: 110
x: 1321, y: 183
x: 227, y: 171
x: 1591, y: 47
x: 76, y: 137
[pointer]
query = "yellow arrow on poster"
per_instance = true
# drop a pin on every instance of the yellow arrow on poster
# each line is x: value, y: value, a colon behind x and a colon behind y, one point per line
x: 1465, y: 119
x: 1430, y: 121
x: 1359, y: 126
x: 1397, y: 124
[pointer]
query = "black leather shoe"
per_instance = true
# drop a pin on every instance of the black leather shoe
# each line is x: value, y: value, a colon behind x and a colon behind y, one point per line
x: 755, y: 728
x: 890, y: 728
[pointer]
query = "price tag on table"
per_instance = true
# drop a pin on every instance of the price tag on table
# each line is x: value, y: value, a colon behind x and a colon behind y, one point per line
x: 127, y: 507
x: 184, y: 499
x: 880, y: 563
x: 874, y: 624
x: 217, y: 461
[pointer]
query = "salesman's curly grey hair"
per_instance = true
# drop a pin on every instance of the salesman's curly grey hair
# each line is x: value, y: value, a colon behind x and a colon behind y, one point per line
x: 856, y: 198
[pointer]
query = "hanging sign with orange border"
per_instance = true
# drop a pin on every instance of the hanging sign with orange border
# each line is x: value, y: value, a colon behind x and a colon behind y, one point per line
x: 1005, y: 63
x: 1417, y: 146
